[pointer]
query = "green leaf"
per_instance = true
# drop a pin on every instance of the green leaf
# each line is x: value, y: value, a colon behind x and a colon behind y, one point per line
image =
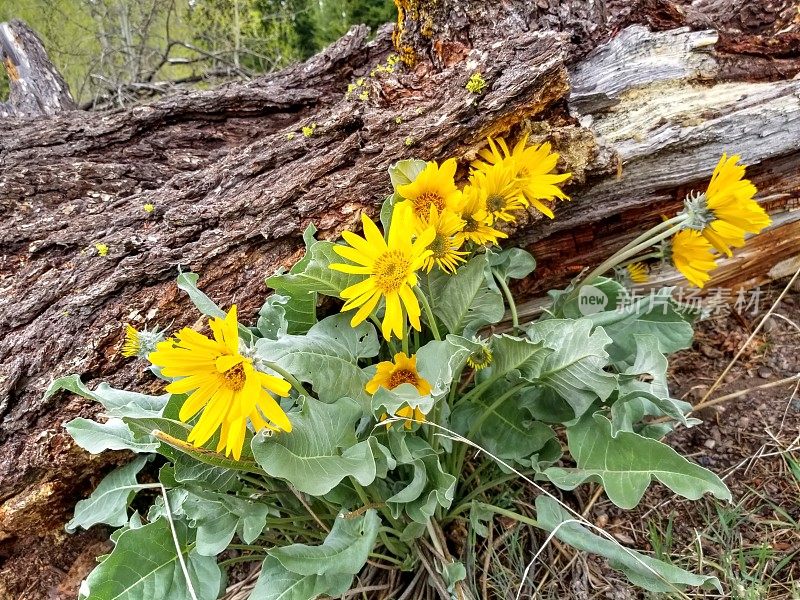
x: 218, y: 517
x: 321, y: 449
x: 327, y: 357
x: 344, y: 551
x: 563, y: 355
x: 656, y: 316
x: 438, y: 362
x: 404, y: 172
x: 466, y: 302
x: 272, y: 317
x: 275, y: 582
x: 626, y: 463
x: 643, y: 389
x: 114, y: 434
x: 301, y: 309
x: 569, y: 303
x: 179, y: 431
x: 109, y: 502
x: 188, y: 283
x: 189, y: 471
x: 309, y: 277
x: 144, y: 564
x: 429, y: 485
x: 511, y: 263
x: 508, y: 432
x: 574, y: 367
x: 642, y: 570
x: 118, y: 403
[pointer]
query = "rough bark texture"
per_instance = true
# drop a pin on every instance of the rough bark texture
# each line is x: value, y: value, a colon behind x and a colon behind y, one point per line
x: 640, y: 99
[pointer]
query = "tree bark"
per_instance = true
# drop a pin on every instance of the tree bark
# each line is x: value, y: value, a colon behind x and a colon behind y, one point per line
x: 639, y: 100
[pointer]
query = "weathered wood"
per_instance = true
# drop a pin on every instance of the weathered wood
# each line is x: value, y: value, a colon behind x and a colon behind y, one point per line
x: 234, y: 182
x: 36, y: 86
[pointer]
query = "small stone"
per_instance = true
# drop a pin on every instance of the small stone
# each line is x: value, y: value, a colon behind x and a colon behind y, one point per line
x: 710, y: 352
x: 744, y: 422
x: 762, y: 407
x: 764, y: 372
x: 602, y: 520
x: 709, y: 443
x: 769, y: 325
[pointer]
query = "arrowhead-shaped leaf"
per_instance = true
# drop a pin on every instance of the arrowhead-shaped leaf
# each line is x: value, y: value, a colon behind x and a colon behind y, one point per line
x: 344, y: 551
x: 326, y: 357
x: 464, y: 301
x: 321, y: 449
x: 114, y: 434
x: 109, y: 501
x: 645, y: 571
x: 275, y: 582
x: 144, y: 564
x: 626, y: 463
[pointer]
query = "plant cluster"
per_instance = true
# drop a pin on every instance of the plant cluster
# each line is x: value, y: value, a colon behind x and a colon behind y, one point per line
x: 314, y: 444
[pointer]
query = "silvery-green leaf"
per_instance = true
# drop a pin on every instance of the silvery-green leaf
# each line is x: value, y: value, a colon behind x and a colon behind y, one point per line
x: 275, y: 582
x: 344, y: 551
x: 321, y: 449
x: 507, y: 431
x: 300, y: 287
x: 109, y: 501
x: 575, y: 367
x: 144, y: 564
x: 643, y: 388
x: 189, y: 471
x: 430, y: 486
x: 453, y: 573
x: 438, y: 362
x: 188, y: 283
x: 655, y: 315
x: 626, y: 463
x: 217, y: 517
x: 326, y: 357
x: 306, y: 279
x: 466, y: 302
x: 272, y: 317
x: 390, y: 401
x: 511, y: 263
x: 406, y: 171
x: 642, y: 570
x: 573, y: 303
x: 118, y: 403
x: 114, y: 434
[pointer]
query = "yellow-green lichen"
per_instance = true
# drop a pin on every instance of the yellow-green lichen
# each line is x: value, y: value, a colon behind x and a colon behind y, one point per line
x: 476, y: 83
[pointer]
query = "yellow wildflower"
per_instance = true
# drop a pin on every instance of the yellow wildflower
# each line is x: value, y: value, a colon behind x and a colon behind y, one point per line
x: 390, y: 374
x: 500, y: 193
x: 445, y: 245
x: 390, y: 268
x: 132, y: 343
x: 475, y: 217
x: 223, y: 384
x: 434, y: 186
x: 410, y: 415
x: 692, y: 256
x: 532, y: 167
x: 727, y: 210
x: 637, y: 272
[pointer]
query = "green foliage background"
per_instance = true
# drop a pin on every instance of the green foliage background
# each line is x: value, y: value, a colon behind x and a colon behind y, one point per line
x: 104, y: 44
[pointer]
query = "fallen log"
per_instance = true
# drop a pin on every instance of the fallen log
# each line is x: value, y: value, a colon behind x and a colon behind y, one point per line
x: 639, y: 100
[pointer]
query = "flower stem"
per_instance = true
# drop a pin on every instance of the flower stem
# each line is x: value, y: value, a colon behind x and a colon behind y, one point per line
x: 428, y: 313
x: 288, y: 377
x: 509, y: 299
x: 632, y: 249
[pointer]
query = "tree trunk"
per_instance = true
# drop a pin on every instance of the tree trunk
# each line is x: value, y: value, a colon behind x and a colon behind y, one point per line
x: 640, y: 101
